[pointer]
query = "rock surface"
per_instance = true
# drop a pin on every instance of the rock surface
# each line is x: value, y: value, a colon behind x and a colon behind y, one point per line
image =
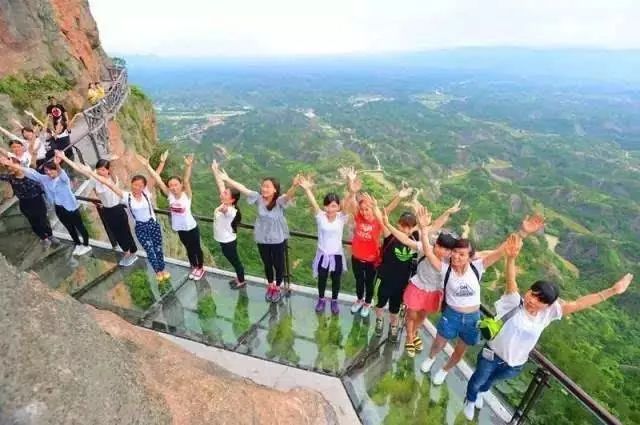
x: 62, y: 362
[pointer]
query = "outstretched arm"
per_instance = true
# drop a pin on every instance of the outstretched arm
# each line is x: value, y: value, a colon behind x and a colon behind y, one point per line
x: 162, y: 163
x: 529, y: 226
x: 306, y: 184
x: 30, y: 114
x: 12, y: 136
x: 511, y: 251
x: 163, y: 187
x: 186, y: 179
x: 403, y: 193
x: 354, y: 184
x: 239, y: 186
x: 401, y: 236
x: 216, y: 175
x: 291, y: 193
x: 590, y: 300
x: 439, y: 222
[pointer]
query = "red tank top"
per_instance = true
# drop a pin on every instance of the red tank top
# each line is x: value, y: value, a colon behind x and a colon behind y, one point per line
x: 365, y: 245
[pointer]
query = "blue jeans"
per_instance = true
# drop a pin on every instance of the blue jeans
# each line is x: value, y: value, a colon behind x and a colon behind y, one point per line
x: 454, y: 324
x: 487, y: 372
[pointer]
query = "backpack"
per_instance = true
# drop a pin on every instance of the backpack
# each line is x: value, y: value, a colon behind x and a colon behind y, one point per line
x: 490, y: 327
x: 447, y: 275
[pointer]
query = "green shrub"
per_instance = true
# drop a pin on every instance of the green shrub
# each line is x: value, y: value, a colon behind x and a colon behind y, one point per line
x: 206, y: 308
x: 139, y: 289
x: 164, y: 286
x: 27, y: 88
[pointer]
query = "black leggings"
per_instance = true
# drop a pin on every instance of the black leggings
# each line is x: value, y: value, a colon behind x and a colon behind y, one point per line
x: 191, y: 241
x: 116, y: 224
x: 323, y: 275
x: 230, y: 252
x: 272, y: 255
x: 365, y: 274
x: 35, y: 210
x: 390, y: 292
x: 72, y: 221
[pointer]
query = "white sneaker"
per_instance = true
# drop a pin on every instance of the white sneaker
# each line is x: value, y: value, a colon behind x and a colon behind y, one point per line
x: 439, y: 377
x: 426, y: 365
x: 480, y: 400
x: 366, y: 308
x: 469, y: 409
x: 75, y: 250
x: 357, y: 306
x: 81, y: 250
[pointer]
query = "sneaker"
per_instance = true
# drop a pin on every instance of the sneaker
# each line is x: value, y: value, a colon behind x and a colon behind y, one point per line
x: 81, y: 250
x: 357, y: 306
x: 480, y: 400
x: 54, y: 240
x: 46, y: 243
x: 166, y: 275
x: 198, y: 274
x: 469, y: 410
x: 394, y: 333
x: 128, y: 260
x: 364, y: 312
x: 276, y: 295
x: 439, y: 377
x: 268, y: 296
x: 192, y: 274
x: 425, y: 367
x: 335, y: 308
x: 320, y: 305
x: 237, y: 285
x: 379, y: 326
x: 75, y: 250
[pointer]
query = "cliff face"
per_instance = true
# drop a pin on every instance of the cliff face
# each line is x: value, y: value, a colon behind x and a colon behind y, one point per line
x: 53, y: 47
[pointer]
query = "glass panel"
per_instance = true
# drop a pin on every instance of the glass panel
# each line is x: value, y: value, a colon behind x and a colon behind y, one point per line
x: 132, y: 290
x: 559, y: 407
x: 389, y: 388
x: 211, y: 312
x: 68, y: 273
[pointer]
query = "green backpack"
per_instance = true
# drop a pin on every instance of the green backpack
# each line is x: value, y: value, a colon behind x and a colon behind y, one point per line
x: 491, y: 326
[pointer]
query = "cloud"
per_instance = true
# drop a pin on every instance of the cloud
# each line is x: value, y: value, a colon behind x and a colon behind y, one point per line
x: 301, y: 27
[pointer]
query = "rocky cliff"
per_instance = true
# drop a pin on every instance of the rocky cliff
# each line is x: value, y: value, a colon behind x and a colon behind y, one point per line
x: 62, y: 362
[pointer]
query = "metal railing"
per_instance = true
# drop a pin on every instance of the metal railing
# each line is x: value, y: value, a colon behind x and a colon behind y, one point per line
x: 545, y: 368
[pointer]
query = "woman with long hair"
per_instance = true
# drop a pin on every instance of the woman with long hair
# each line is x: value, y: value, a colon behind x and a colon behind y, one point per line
x: 178, y: 191
x: 226, y: 218
x: 271, y: 230
x: 110, y: 208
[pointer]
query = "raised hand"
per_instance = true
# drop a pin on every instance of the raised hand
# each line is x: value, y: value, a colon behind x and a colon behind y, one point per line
x: 188, y: 160
x: 5, y: 161
x: 355, y: 185
x: 385, y: 217
x: 164, y: 156
x: 423, y: 216
x: 405, y: 191
x: 223, y: 175
x: 621, y: 286
x: 455, y: 208
x: 215, y: 167
x: 532, y: 224
x: 305, y: 182
x: 296, y: 180
x: 513, y: 245
x: 370, y: 199
x: 59, y: 154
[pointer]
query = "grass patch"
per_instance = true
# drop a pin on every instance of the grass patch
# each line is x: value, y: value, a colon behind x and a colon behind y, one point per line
x: 27, y: 88
x: 140, y: 289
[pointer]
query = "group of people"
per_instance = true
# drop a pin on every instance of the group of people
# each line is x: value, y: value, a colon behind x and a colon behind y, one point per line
x: 95, y: 92
x: 413, y: 261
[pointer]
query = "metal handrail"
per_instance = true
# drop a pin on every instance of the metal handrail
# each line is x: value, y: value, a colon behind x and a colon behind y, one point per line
x: 536, y: 356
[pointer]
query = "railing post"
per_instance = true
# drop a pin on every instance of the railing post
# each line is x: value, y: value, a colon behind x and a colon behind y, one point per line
x: 539, y: 382
x: 287, y: 269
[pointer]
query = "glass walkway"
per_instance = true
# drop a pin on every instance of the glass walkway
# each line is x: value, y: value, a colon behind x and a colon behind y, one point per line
x: 385, y: 386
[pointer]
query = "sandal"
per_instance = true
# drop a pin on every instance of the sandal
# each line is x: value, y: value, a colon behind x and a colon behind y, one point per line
x: 238, y: 285
x: 410, y: 349
x: 417, y: 342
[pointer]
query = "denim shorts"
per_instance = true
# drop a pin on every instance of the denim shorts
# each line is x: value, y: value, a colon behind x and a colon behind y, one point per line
x: 454, y: 324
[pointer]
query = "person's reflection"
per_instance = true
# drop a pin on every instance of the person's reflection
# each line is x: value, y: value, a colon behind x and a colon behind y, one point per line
x: 207, y: 310
x: 241, y: 322
x: 280, y: 337
x: 328, y: 337
x: 358, y: 337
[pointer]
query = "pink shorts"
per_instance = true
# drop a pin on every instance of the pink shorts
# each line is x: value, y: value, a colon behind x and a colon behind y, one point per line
x: 418, y: 300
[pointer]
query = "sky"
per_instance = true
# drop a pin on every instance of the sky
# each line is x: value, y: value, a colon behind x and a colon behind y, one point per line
x: 236, y: 28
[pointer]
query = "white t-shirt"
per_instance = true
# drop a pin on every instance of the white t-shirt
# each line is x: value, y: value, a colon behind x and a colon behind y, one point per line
x: 521, y: 332
x: 222, y: 230
x: 25, y: 158
x: 181, y: 217
x: 108, y: 198
x: 463, y: 291
x: 141, y: 210
x: 330, y: 232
